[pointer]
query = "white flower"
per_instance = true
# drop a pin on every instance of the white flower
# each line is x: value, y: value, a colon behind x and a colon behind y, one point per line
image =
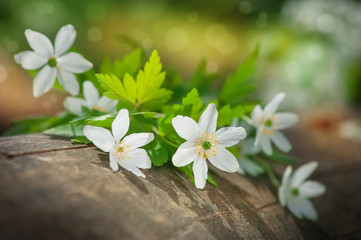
x: 268, y: 124
x: 203, y: 142
x: 53, y: 61
x: 91, y: 100
x: 124, y: 152
x: 295, y: 191
x: 247, y: 165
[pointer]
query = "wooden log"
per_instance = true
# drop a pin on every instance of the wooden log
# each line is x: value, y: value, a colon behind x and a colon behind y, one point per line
x: 52, y: 189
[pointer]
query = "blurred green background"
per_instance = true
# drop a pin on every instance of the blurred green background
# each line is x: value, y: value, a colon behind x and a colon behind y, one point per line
x: 310, y: 49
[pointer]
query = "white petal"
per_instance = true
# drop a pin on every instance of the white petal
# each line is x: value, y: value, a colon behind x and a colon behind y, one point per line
x: 265, y: 143
x: 101, y: 137
x: 311, y: 189
x: 69, y: 82
x: 39, y: 43
x: 108, y: 104
x: 120, y: 125
x: 44, y: 81
x: 272, y: 106
x: 251, y: 167
x: 74, y: 62
x: 249, y: 147
x: 138, y: 139
x: 128, y: 165
x: 113, y: 163
x: 308, y: 210
x: 91, y: 94
x: 186, y: 127
x: 64, y: 39
x: 185, y: 154
x: 140, y: 158
x: 282, y: 195
x: 294, y: 204
x: 286, y: 120
x: 286, y: 177
x: 281, y: 141
x: 208, y: 120
x: 224, y: 160
x: 200, y: 170
x: 303, y: 172
x: 259, y: 135
x: 74, y: 105
x: 256, y: 114
x: 30, y: 60
x: 230, y: 136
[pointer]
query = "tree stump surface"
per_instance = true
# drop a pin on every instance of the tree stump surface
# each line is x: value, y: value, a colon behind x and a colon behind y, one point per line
x: 53, y: 189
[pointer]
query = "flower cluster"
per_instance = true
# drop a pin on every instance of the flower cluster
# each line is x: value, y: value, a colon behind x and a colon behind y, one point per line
x: 129, y: 99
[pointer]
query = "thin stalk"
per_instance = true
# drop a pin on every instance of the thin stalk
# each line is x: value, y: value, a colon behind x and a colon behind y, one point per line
x: 269, y: 171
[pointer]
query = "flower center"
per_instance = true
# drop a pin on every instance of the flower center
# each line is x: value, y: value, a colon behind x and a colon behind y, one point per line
x: 121, y: 151
x: 52, y: 62
x: 295, y: 191
x: 270, y: 123
x: 207, y: 145
x: 98, y: 108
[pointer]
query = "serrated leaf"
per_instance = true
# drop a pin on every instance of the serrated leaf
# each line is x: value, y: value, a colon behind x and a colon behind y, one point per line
x: 129, y: 64
x: 239, y: 85
x: 149, y: 81
x: 226, y: 114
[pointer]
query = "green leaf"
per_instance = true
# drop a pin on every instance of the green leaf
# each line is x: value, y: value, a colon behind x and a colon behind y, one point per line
x: 31, y: 125
x: 201, y: 79
x: 226, y: 114
x: 150, y: 95
x: 158, y: 153
x: 211, y: 180
x: 239, y: 85
x: 114, y: 88
x: 129, y: 64
x: 145, y: 93
x: 81, y: 139
x: 66, y: 130
x: 280, y: 157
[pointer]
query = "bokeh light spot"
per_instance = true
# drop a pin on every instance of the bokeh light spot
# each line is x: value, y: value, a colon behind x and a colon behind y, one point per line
x: 176, y: 38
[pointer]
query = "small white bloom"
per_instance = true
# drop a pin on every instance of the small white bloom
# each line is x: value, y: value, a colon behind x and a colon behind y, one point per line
x: 91, y: 100
x: 53, y: 61
x: 295, y: 191
x: 123, y: 152
x: 205, y: 143
x: 247, y: 165
x: 268, y: 124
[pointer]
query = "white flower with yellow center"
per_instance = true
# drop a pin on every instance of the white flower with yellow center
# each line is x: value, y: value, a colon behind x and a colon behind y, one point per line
x: 204, y: 143
x: 91, y: 100
x: 295, y: 191
x: 124, y: 152
x: 268, y: 124
x: 53, y: 61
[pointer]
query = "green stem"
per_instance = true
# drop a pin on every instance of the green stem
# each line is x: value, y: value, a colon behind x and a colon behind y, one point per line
x: 247, y: 119
x: 73, y: 130
x: 155, y: 130
x: 269, y: 171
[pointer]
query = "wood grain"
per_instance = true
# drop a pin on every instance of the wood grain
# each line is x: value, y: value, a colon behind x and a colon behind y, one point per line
x: 61, y: 191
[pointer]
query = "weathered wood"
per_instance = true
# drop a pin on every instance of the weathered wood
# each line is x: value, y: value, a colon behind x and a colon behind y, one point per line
x: 317, y: 138
x: 51, y: 189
